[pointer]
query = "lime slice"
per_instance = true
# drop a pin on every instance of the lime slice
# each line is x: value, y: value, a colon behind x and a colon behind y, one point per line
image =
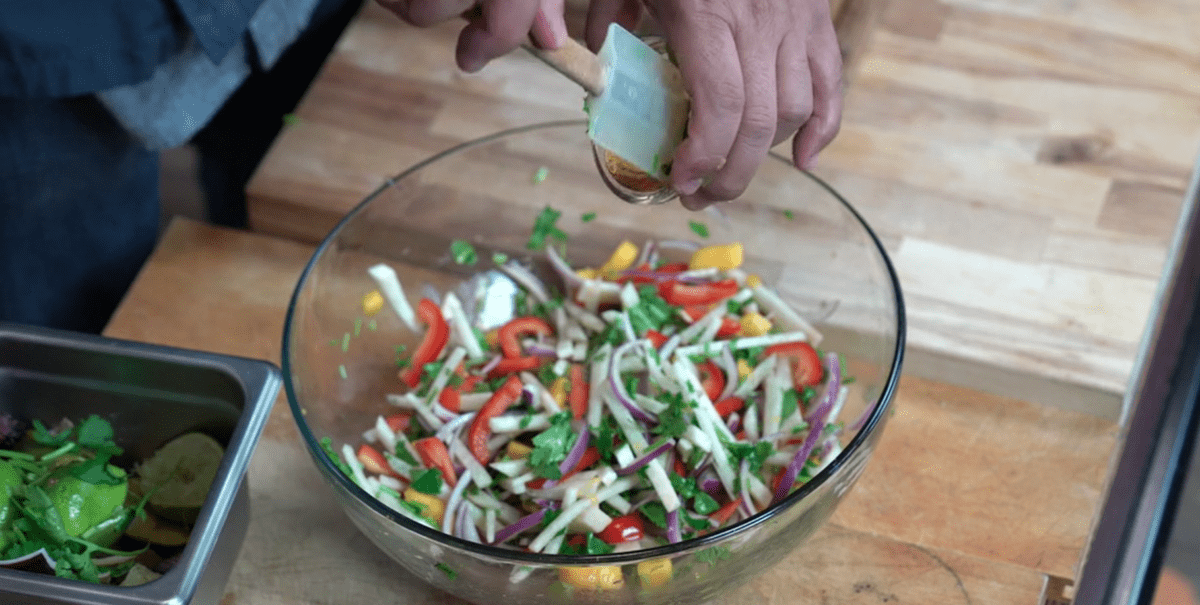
x: 155, y: 530
x: 179, y: 476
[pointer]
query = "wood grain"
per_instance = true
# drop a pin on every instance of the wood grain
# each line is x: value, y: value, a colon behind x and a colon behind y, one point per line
x: 970, y: 498
x: 1022, y: 162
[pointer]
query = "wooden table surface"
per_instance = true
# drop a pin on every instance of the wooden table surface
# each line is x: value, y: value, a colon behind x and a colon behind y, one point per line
x: 1022, y: 161
x: 970, y: 497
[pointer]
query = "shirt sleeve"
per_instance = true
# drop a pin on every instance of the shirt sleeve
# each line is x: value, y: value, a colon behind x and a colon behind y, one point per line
x: 62, y: 49
x: 218, y: 24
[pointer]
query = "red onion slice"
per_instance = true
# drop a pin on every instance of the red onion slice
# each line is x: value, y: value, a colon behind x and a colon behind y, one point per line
x: 673, y: 534
x: 646, y: 457
x: 520, y: 525
x: 490, y: 365
x: 618, y: 389
x: 526, y: 278
x: 568, y: 275
x: 574, y: 455
x: 833, y: 384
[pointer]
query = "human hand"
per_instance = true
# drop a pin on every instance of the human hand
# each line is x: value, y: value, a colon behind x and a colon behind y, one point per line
x: 758, y: 72
x: 494, y: 27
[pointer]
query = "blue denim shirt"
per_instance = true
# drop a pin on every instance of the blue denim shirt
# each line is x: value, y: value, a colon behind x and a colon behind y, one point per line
x: 64, y: 48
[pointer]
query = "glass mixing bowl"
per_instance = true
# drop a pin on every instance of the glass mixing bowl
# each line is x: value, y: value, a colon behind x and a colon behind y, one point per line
x: 799, y: 236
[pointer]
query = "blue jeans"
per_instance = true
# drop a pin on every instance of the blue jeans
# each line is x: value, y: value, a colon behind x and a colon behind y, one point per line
x: 78, y: 212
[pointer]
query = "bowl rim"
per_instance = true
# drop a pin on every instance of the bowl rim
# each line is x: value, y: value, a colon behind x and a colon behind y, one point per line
x: 881, y: 406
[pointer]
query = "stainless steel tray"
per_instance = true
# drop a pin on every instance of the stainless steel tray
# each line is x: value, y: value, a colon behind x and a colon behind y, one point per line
x: 150, y: 394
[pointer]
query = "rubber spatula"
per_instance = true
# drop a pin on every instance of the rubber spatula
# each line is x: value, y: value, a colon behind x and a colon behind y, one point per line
x: 637, y: 108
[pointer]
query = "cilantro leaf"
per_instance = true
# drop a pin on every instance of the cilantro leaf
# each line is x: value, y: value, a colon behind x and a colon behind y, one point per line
x: 699, y: 228
x: 704, y: 503
x: 450, y: 573
x: 790, y: 403
x: 673, y: 421
x: 96, y: 433
x: 543, y: 227
x: 596, y: 546
x: 713, y: 555
x: 756, y: 453
x: 588, y: 217
x: 550, y: 447
x: 656, y: 513
x: 327, y: 445
x: 42, y: 435
x: 464, y: 253
x: 428, y: 482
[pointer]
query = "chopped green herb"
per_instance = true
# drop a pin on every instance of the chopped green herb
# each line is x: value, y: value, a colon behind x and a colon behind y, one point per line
x: 705, y: 504
x: 499, y: 258
x: 756, y: 453
x: 405, y: 455
x: 543, y: 227
x: 550, y: 447
x: 327, y: 445
x: 699, y: 228
x: 290, y: 119
x: 713, y: 555
x: 789, y: 215
x: 541, y: 174
x: 428, y: 482
x: 673, y: 422
x: 656, y: 513
x: 588, y: 217
x: 464, y: 253
x: 357, y: 326
x: 342, y: 370
x: 450, y: 573
x: 372, y: 325
x: 596, y: 546
x: 789, y: 405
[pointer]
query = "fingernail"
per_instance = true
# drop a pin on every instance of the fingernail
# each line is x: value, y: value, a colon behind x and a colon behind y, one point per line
x: 689, y: 187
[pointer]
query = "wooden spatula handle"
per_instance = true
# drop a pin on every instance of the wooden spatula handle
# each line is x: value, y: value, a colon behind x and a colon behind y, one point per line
x: 574, y: 61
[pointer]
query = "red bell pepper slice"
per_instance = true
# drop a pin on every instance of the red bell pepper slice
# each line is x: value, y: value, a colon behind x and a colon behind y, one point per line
x: 374, y: 462
x: 431, y: 344
x: 730, y: 326
x: 399, y: 421
x: 729, y: 405
x: 683, y: 294
x: 480, y: 430
x: 510, y: 365
x: 712, y: 379
x: 725, y: 512
x: 679, y: 467
x: 626, y: 528
x: 434, y: 454
x: 806, y: 364
x: 510, y: 333
x: 656, y: 338
x: 451, y: 396
x: 577, y: 397
x: 672, y: 268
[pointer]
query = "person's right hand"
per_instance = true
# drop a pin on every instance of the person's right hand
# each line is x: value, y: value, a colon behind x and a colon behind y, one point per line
x: 494, y: 27
x: 758, y: 72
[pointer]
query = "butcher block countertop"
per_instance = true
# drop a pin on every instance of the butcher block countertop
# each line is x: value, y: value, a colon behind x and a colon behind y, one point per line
x: 1023, y: 163
x: 969, y: 498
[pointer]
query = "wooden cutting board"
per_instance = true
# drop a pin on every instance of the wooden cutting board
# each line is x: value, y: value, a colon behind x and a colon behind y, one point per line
x: 1022, y: 161
x: 970, y: 497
